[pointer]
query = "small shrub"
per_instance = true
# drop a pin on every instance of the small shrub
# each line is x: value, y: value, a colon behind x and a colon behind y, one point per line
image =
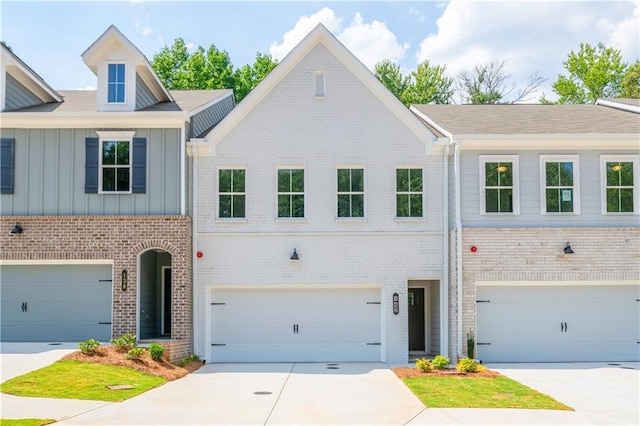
x: 471, y: 344
x: 440, y: 362
x: 156, y: 351
x: 467, y: 365
x: 135, y: 353
x: 88, y: 347
x: 188, y: 360
x: 125, y: 342
x: 424, y: 365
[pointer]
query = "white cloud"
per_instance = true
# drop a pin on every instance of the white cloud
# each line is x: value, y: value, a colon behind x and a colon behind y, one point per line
x: 87, y: 88
x: 190, y: 47
x: 530, y: 36
x: 370, y: 42
x: 144, y: 28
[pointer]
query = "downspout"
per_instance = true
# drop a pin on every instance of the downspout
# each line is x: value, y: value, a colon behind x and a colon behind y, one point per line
x: 183, y: 172
x: 444, y: 297
x: 194, y: 242
x: 456, y: 156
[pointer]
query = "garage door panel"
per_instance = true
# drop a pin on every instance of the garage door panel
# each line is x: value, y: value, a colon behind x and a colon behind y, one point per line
x: 63, y: 302
x: 304, y: 325
x: 558, y: 323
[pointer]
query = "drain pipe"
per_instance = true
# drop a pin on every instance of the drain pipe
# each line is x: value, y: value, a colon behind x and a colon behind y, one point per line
x: 456, y: 156
x: 444, y: 295
x: 193, y: 151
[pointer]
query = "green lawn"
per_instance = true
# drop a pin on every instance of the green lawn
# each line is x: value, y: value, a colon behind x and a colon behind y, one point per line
x: 466, y: 392
x: 80, y: 380
x: 25, y: 422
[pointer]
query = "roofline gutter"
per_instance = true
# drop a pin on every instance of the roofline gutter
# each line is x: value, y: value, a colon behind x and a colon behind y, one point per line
x: 431, y: 122
x: 618, y: 105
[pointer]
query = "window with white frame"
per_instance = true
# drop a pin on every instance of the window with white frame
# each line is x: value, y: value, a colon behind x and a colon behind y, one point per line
x: 116, y: 83
x: 408, y: 193
x: 499, y: 191
x: 320, y: 87
x: 350, y: 193
x: 115, y: 161
x: 619, y: 175
x: 231, y: 193
x: 560, y: 184
x: 290, y: 193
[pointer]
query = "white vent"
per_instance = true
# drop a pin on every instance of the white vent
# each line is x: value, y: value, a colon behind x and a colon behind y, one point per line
x: 320, y: 84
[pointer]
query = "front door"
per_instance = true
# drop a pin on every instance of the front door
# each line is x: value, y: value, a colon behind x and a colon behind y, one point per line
x: 416, y: 319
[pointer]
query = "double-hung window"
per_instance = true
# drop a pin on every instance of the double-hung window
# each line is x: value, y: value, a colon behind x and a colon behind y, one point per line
x: 290, y: 193
x: 116, y: 83
x: 408, y: 193
x: 619, y: 175
x: 559, y: 183
x: 499, y: 192
x: 231, y: 192
x: 350, y: 193
x: 116, y: 158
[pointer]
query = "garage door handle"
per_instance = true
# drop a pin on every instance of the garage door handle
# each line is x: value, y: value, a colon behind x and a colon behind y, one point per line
x: 104, y: 323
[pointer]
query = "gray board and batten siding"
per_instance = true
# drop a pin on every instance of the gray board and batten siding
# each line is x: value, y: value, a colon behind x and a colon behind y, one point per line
x: 49, y: 175
x: 17, y: 96
x: 209, y: 117
x: 530, y: 199
x: 144, y: 96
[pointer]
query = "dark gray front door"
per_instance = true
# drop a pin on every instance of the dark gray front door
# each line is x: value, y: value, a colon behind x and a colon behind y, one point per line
x: 416, y: 319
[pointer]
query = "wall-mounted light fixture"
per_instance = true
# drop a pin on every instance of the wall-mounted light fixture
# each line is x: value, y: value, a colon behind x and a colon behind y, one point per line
x: 17, y: 229
x: 567, y: 249
x: 125, y: 281
x: 616, y: 167
x: 502, y: 168
x: 295, y: 256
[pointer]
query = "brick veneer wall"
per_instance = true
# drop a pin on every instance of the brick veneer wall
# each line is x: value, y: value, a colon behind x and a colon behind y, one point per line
x: 120, y: 239
x: 537, y: 254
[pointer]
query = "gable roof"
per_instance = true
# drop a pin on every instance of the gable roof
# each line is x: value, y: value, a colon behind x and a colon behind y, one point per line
x: 319, y: 35
x: 527, y: 119
x: 113, y: 36
x: 12, y: 64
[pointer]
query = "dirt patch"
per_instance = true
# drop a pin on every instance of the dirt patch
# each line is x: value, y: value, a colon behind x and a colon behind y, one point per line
x: 409, y: 372
x: 109, y: 355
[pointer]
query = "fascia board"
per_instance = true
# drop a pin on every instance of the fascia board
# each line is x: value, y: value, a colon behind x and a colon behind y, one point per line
x: 12, y: 60
x: 431, y: 122
x: 101, y: 120
x: 549, y: 141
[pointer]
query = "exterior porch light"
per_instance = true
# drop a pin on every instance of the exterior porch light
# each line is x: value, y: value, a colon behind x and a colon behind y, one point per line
x: 295, y: 256
x: 17, y: 229
x: 567, y: 249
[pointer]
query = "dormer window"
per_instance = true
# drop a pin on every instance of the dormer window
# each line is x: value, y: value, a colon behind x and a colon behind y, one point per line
x: 116, y: 83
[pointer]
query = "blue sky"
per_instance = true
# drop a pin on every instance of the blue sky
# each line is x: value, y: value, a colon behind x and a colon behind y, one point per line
x: 531, y: 37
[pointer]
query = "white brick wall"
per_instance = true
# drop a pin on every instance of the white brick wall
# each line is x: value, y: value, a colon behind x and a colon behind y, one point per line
x: 349, y: 127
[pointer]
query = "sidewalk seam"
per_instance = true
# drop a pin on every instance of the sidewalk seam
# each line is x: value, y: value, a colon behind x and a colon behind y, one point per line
x: 279, y: 394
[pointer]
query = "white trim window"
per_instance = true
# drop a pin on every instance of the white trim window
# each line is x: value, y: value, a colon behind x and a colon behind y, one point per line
x: 559, y: 184
x: 499, y: 186
x: 350, y: 192
x: 291, y: 193
x: 116, y: 87
x: 409, y: 196
x: 320, y: 85
x: 619, y: 177
x: 231, y: 193
x: 115, y: 162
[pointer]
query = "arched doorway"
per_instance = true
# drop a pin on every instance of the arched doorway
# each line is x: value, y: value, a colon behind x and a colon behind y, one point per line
x: 154, y: 295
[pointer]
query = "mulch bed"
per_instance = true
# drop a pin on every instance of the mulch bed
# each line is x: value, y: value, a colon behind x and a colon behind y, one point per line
x: 408, y: 372
x: 110, y: 355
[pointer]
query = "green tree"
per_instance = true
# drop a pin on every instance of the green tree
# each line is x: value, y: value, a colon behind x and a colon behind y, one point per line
x: 428, y: 85
x: 248, y: 77
x: 630, y: 85
x: 486, y: 83
x: 593, y: 72
x: 389, y: 74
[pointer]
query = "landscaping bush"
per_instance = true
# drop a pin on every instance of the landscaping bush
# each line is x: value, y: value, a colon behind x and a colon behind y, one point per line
x: 88, y: 347
x: 471, y: 344
x: 467, y: 365
x: 424, y: 365
x: 125, y: 342
x: 188, y: 360
x: 440, y: 362
x: 135, y: 353
x: 156, y: 351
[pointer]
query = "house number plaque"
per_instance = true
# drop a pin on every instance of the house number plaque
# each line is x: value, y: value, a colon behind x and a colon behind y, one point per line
x: 396, y: 304
x: 125, y: 283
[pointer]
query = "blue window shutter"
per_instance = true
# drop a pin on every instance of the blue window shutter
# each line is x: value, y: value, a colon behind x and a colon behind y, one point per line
x: 7, y: 154
x: 91, y: 164
x: 139, y: 163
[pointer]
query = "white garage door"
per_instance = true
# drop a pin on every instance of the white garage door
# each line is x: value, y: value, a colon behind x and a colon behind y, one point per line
x: 295, y: 325
x: 558, y: 323
x: 64, y: 303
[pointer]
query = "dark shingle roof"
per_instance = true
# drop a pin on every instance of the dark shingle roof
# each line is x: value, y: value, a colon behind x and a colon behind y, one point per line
x: 531, y: 119
x: 79, y: 101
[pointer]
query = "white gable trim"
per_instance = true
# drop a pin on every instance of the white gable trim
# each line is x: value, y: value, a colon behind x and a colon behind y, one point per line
x: 320, y: 35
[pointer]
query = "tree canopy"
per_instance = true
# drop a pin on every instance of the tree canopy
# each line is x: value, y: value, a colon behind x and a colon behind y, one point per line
x: 630, y: 85
x: 427, y: 84
x: 593, y: 72
x: 486, y: 83
x: 179, y: 69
